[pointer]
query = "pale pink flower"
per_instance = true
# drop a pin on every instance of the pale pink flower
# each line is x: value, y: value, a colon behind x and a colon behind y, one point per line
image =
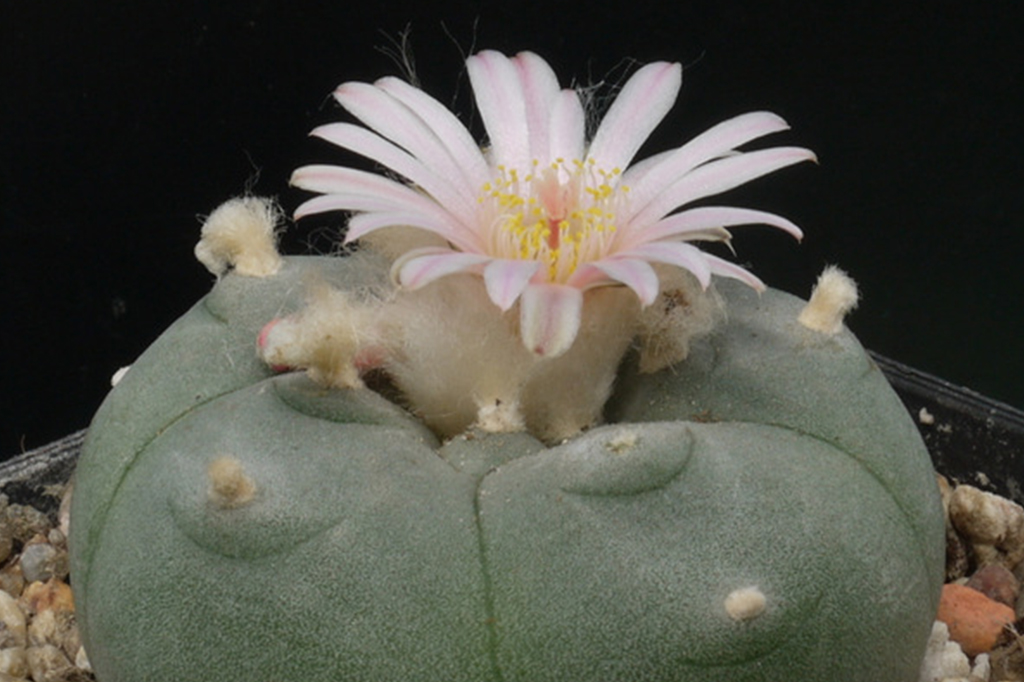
x: 541, y: 213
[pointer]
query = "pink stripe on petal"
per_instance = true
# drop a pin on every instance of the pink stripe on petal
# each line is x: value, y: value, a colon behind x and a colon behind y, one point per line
x: 713, y: 143
x: 348, y: 189
x: 681, y: 255
x: 719, y: 176
x: 395, y: 121
x: 450, y: 192
x: 724, y: 268
x: 326, y: 179
x: 500, y: 100
x: 549, y: 318
x: 639, y: 169
x: 449, y: 129
x: 506, y: 279
x: 374, y: 206
x: 587, y: 276
x: 540, y: 88
x: 636, y: 274
x: 341, y: 180
x: 568, y: 128
x: 364, y: 223
x: 420, y: 267
x: 698, y: 221
x: 639, y: 108
x: 343, y: 202
x: 387, y: 116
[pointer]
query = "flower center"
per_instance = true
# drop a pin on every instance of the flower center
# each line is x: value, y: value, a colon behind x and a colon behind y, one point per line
x: 562, y: 215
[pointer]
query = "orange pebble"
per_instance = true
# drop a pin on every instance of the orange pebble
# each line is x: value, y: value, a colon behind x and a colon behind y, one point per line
x: 975, y: 622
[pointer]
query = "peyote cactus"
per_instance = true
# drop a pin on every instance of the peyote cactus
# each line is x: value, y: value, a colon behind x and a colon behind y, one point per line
x: 521, y: 459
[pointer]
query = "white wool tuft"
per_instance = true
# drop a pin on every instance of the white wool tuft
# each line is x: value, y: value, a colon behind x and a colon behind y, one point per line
x: 455, y: 356
x: 460, y: 363
x: 682, y: 312
x: 240, y: 235
x: 230, y: 486
x: 567, y: 394
x: 745, y: 603
x: 834, y: 295
x: 326, y: 338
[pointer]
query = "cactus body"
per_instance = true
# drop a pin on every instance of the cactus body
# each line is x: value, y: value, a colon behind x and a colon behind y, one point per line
x: 774, y: 461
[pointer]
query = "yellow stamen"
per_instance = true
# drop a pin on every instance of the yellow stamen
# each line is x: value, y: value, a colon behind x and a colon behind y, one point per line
x: 561, y: 215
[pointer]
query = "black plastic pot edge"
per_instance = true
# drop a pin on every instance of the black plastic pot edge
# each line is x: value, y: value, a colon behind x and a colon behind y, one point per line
x: 971, y: 438
x: 37, y: 477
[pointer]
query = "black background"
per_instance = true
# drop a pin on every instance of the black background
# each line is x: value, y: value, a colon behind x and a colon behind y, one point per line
x: 121, y: 123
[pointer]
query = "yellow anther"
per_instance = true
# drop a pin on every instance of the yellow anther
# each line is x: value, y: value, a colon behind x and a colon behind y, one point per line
x: 561, y: 217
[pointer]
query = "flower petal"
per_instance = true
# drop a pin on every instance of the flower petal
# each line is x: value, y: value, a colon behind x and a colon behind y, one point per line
x: 340, y: 180
x: 712, y: 143
x: 505, y: 280
x: 419, y: 267
x: 450, y: 192
x: 707, y: 222
x: 363, y: 223
x: 348, y: 189
x: 639, y: 169
x: 549, y: 318
x: 568, y: 128
x: 446, y: 126
x: 719, y: 176
x: 540, y: 89
x: 501, y: 102
x: 643, y: 102
x: 395, y: 121
x: 681, y: 255
x: 636, y: 274
x: 724, y: 268
x: 347, y: 201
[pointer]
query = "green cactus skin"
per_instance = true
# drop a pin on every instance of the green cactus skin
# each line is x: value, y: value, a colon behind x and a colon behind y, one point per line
x: 774, y: 457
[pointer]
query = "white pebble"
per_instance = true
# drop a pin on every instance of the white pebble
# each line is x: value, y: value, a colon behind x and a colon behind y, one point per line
x: 82, y: 660
x: 982, y: 670
x: 13, y: 662
x: 990, y: 522
x: 13, y: 629
x: 48, y: 663
x: 42, y: 561
x: 943, y: 659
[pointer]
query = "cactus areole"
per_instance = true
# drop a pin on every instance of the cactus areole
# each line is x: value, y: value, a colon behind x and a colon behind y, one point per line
x: 539, y: 435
